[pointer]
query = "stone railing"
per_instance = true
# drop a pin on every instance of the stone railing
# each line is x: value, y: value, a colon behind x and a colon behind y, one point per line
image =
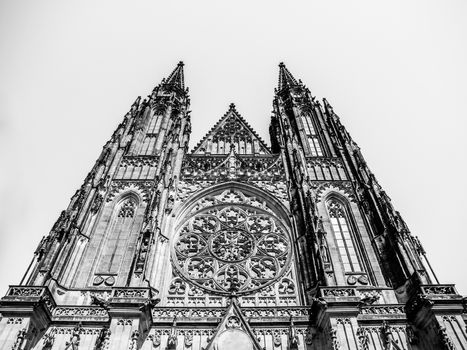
x: 31, y: 294
x: 136, y: 294
x: 218, y: 312
x: 438, y: 289
x: 338, y: 292
x: 62, y: 312
x: 275, y: 312
x: 383, y: 310
x: 185, y: 312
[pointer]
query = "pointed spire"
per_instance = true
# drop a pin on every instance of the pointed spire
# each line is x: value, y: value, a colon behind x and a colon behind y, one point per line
x: 176, y: 78
x: 286, y: 78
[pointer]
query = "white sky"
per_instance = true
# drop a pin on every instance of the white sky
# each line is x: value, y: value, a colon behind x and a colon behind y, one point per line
x: 394, y: 71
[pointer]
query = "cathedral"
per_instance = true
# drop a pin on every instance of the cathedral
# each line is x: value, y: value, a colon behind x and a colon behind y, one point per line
x: 234, y: 245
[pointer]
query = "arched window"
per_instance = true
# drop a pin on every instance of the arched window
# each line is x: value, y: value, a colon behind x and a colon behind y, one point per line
x: 344, y: 236
x: 116, y: 243
x: 315, y: 147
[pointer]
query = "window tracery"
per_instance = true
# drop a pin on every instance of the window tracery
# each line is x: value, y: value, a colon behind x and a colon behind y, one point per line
x: 315, y: 147
x: 127, y: 210
x: 232, y: 248
x: 343, y: 234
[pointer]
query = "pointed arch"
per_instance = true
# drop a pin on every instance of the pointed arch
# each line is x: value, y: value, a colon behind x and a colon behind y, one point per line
x: 118, y: 232
x: 344, y: 231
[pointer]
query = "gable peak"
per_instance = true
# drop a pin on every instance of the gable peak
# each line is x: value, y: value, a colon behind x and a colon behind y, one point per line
x: 231, y: 132
x: 233, y: 331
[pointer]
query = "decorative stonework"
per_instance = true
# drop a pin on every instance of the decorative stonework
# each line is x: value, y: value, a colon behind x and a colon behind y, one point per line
x: 232, y: 249
x: 338, y: 292
x: 383, y: 310
x: 345, y: 187
x: 141, y: 187
x: 79, y: 311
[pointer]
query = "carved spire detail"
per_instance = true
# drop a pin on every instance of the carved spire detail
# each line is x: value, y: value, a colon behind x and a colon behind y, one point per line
x: 176, y: 78
x: 286, y: 79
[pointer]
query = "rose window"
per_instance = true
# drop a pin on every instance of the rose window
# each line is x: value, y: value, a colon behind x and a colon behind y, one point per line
x: 232, y: 249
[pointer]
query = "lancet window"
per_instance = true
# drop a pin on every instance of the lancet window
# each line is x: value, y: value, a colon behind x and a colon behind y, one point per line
x: 117, y: 236
x: 344, y: 236
x: 310, y: 132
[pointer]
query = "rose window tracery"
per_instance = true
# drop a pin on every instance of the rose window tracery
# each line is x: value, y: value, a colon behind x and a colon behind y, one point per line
x: 232, y: 248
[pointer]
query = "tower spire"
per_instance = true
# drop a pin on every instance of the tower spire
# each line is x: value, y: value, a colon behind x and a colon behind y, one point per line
x: 176, y: 78
x: 286, y: 78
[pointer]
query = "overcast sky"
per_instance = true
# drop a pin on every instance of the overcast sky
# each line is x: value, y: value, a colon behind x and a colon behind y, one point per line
x: 395, y: 73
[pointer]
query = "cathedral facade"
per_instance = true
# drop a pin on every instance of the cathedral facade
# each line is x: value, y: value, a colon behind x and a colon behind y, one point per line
x: 235, y: 245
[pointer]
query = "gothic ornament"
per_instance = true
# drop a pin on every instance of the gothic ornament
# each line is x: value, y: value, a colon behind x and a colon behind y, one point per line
x: 74, y: 339
x: 19, y: 339
x: 233, y: 249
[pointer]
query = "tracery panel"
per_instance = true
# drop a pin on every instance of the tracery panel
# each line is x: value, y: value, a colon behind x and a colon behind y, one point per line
x: 232, y: 247
x: 343, y: 235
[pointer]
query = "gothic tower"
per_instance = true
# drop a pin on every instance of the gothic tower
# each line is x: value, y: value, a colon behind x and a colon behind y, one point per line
x: 234, y: 245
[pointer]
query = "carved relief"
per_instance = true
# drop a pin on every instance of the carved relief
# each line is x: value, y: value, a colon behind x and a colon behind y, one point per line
x: 144, y: 188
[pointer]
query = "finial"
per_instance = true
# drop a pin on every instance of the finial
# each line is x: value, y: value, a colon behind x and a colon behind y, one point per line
x: 281, y: 64
x: 232, y: 106
x: 181, y: 63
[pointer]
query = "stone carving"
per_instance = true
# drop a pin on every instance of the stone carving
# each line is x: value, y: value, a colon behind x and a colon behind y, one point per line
x: 49, y: 339
x: 338, y: 292
x: 293, y: 340
x: 103, y: 340
x: 412, y: 337
x: 74, y: 339
x: 276, y: 188
x: 173, y: 336
x: 335, y: 345
x: 369, y: 297
x: 139, y: 161
x: 134, y: 340
x: 232, y: 249
x: 155, y: 340
x: 108, y: 280
x: 144, y: 188
x: 124, y: 322
x: 186, y: 189
x: 188, y: 313
x: 19, y: 339
x: 440, y: 289
x: 131, y: 293
x: 230, y: 196
x: 445, y: 339
x: 343, y: 186
x: 188, y: 339
x: 362, y: 336
x: 233, y: 322
x: 383, y: 310
x: 15, y: 320
x: 145, y: 244
x: 82, y: 311
x: 309, y: 337
x: 25, y: 291
x: 127, y: 210
x: 418, y: 302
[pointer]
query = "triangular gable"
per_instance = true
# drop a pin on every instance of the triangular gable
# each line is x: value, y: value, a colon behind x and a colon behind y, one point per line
x: 231, y: 131
x: 234, y: 332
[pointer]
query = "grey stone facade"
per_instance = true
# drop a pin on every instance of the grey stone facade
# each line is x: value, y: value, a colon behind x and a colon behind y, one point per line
x: 234, y: 245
